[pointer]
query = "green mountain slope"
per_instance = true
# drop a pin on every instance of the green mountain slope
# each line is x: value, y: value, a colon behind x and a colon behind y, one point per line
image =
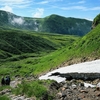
x: 18, y: 42
x: 52, y: 24
x: 62, y: 25
x: 85, y: 48
x: 89, y: 45
x: 96, y: 21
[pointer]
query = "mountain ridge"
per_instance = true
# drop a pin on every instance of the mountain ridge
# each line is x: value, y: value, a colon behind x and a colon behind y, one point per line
x: 53, y: 24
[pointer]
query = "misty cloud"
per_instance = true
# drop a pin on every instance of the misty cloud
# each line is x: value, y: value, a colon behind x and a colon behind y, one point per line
x: 7, y: 8
x: 19, y: 21
x: 39, y: 12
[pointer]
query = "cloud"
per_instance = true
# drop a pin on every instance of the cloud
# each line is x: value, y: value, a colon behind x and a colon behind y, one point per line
x: 80, y: 8
x: 95, y: 8
x: 79, y: 2
x: 7, y: 8
x: 90, y: 19
x: 15, y: 3
x: 43, y: 2
x: 10, y: 2
x: 39, y: 12
x: 48, y: 1
x: 74, y: 7
x: 19, y: 21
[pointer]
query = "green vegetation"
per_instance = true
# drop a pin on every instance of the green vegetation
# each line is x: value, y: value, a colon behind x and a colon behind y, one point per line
x: 89, y: 44
x: 51, y: 24
x: 35, y: 63
x: 37, y: 88
x: 63, y: 48
x: 4, y: 98
x: 62, y: 25
x: 96, y: 20
x: 25, y: 52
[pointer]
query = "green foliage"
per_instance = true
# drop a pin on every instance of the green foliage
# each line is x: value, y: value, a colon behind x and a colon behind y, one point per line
x: 4, y: 87
x: 28, y: 62
x: 52, y: 24
x: 52, y: 50
x: 35, y: 64
x: 89, y: 44
x: 62, y: 25
x: 35, y: 88
x: 4, y: 98
x: 13, y: 42
x: 96, y: 20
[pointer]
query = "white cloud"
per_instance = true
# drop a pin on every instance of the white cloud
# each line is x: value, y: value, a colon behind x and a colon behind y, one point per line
x: 75, y: 3
x: 15, y: 3
x: 95, y: 8
x: 43, y: 2
x: 48, y: 1
x: 19, y: 21
x: 74, y: 7
x: 89, y: 19
x: 7, y: 8
x: 39, y: 12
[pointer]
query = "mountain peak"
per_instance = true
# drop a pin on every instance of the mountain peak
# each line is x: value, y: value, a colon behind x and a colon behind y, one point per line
x: 53, y: 24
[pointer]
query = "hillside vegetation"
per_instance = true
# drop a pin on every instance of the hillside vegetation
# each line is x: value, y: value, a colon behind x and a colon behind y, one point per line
x: 25, y: 52
x: 25, y: 55
x: 62, y: 25
x: 51, y: 24
x: 32, y: 53
x: 96, y: 21
x: 28, y: 64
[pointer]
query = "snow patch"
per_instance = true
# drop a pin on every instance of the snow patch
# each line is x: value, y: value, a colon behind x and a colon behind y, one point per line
x: 86, y: 67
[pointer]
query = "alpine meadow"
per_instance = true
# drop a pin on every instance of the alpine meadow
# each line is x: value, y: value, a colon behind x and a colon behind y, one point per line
x: 31, y: 47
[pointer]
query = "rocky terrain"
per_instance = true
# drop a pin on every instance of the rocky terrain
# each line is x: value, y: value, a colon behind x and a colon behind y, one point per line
x: 67, y: 90
x: 78, y: 90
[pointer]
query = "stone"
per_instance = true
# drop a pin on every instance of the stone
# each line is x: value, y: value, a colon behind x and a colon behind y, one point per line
x: 83, y: 91
x: 98, y: 94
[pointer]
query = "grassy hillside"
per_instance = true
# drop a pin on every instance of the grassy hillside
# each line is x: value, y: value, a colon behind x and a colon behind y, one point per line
x: 89, y: 45
x: 25, y: 52
x: 96, y: 21
x: 34, y: 64
x: 31, y: 53
x: 62, y: 25
x: 51, y: 24
x: 13, y: 42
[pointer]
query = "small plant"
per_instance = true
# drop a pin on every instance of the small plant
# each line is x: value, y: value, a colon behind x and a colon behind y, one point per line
x: 4, y: 98
x: 34, y: 88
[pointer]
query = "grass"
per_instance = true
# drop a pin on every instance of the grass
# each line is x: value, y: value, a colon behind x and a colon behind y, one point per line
x: 37, y: 89
x: 35, y: 64
x: 4, y: 98
x: 38, y: 51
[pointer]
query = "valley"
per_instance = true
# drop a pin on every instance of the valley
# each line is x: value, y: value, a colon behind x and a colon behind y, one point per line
x: 27, y: 52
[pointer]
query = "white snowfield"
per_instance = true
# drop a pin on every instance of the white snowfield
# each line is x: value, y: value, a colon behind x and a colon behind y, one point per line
x: 86, y: 67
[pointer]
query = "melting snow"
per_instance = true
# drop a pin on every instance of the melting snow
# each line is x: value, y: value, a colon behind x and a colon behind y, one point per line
x: 86, y: 67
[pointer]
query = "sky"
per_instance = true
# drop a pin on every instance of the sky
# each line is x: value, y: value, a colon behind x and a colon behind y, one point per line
x: 85, y: 9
